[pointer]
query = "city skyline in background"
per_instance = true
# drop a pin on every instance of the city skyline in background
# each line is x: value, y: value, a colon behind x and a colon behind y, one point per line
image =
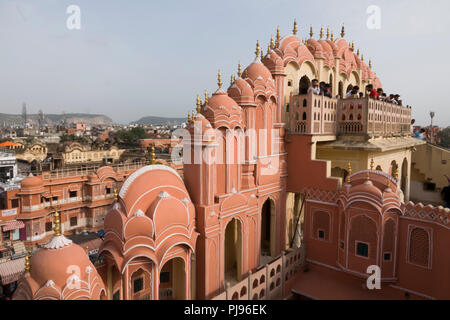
x: 152, y: 59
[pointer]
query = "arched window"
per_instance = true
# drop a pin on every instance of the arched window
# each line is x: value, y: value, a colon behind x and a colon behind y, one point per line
x: 304, y: 85
x: 287, y: 108
x: 304, y: 116
x: 419, y: 247
x: 305, y: 103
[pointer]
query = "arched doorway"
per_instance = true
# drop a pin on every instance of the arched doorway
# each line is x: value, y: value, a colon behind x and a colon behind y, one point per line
x: 349, y: 88
x: 233, y: 251
x: 294, y: 218
x: 404, y: 179
x: 394, y: 168
x: 331, y: 84
x: 172, y: 280
x: 339, y: 172
x: 304, y: 85
x: 114, y: 290
x: 267, y: 229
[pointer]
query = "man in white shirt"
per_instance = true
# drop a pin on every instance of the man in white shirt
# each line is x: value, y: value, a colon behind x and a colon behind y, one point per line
x: 314, y: 87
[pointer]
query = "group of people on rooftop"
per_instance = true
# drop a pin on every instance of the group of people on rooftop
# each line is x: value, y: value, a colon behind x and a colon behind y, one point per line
x: 321, y: 88
x: 325, y: 89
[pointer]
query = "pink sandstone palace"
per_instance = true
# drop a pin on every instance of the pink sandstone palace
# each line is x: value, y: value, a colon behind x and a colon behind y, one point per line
x: 283, y: 194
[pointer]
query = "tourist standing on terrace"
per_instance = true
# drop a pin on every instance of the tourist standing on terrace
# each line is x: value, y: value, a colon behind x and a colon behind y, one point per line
x: 314, y: 87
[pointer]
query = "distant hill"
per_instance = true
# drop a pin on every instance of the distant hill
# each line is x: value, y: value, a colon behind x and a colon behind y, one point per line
x: 160, y: 121
x: 52, y: 119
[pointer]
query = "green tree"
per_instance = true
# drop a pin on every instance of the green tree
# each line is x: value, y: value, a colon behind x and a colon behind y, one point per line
x: 132, y: 136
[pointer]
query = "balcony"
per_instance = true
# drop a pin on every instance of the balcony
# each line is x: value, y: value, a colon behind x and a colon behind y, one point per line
x: 318, y: 115
x: 313, y: 115
x: 372, y: 117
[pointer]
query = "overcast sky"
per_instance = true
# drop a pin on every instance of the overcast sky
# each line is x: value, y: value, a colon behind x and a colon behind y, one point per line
x: 135, y: 58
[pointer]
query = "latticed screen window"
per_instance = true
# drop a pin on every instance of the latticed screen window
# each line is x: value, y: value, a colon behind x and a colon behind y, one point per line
x: 362, y: 249
x: 419, y: 247
x: 321, y: 234
x: 138, y: 285
x: 73, y: 221
x: 48, y: 226
x: 164, y: 277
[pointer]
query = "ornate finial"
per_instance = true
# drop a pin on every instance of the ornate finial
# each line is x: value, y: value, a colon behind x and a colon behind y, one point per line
x: 367, y: 176
x: 362, y: 57
x: 295, y: 27
x: 193, y: 116
x: 372, y: 164
x: 199, y: 103
x: 272, y: 45
x: 219, y: 79
x: 370, y: 64
x: 262, y: 54
x: 311, y: 32
x: 206, y: 97
x: 321, y: 32
x: 278, y: 39
x: 357, y: 52
x: 189, y: 118
x: 57, y: 224
x: 332, y: 36
x: 153, y: 155
x: 258, y: 49
x: 87, y: 249
x: 343, y: 31
x: 349, y: 169
x: 239, y: 70
x: 328, y: 33
x: 27, y: 262
x: 353, y: 45
x: 116, y: 195
x: 231, y: 80
x: 268, y: 48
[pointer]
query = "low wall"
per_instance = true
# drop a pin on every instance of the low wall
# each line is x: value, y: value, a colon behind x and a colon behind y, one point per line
x: 269, y: 282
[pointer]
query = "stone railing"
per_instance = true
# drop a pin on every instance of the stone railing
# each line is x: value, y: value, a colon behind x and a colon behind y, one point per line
x: 79, y: 172
x: 374, y: 117
x: 312, y: 114
x: 268, y: 282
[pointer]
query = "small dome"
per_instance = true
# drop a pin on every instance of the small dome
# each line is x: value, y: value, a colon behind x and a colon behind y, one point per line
x: 291, y: 41
x: 32, y: 182
x: 220, y: 100
x: 61, y: 270
x: 367, y: 187
x: 242, y: 92
x: 204, y: 123
x: 257, y: 70
x: 326, y: 47
x: 315, y: 48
